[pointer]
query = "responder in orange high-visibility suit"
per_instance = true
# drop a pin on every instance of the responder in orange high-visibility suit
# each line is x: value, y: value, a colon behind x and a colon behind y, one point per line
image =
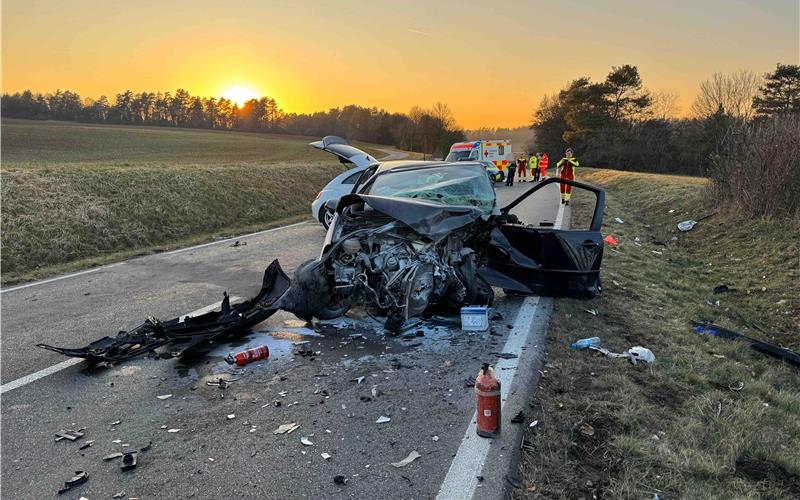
x: 567, y: 167
x: 543, y: 160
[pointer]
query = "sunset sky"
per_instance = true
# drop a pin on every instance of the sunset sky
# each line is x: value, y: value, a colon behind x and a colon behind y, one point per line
x: 491, y: 61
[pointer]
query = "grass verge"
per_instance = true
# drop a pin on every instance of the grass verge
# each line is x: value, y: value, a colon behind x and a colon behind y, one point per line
x: 76, y: 195
x: 710, y: 418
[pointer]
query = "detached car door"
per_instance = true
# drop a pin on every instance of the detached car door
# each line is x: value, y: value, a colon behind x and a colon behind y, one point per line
x: 543, y: 259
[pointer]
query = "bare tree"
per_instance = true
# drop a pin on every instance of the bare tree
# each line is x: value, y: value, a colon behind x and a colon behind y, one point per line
x: 664, y: 105
x: 731, y: 93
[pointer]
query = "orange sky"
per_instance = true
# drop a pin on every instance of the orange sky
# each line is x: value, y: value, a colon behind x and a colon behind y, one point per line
x: 491, y: 61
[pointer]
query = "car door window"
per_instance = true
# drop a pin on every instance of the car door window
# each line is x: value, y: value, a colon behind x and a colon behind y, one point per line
x: 352, y: 179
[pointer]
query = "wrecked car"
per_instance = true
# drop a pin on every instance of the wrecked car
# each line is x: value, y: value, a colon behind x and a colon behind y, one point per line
x: 412, y: 238
x: 415, y: 236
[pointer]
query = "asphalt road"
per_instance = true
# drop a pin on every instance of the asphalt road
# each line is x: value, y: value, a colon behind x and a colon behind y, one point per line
x: 418, y: 382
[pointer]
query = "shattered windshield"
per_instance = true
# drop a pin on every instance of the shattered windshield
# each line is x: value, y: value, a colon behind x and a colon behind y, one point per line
x: 450, y: 185
x: 463, y: 155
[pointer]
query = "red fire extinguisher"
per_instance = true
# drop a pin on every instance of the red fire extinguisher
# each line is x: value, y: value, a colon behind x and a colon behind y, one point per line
x: 245, y: 357
x: 487, y: 400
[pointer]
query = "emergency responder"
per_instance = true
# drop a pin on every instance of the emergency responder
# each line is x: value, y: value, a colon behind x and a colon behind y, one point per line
x: 512, y: 168
x: 522, y: 165
x: 566, y: 167
x: 533, y: 164
x: 543, y: 160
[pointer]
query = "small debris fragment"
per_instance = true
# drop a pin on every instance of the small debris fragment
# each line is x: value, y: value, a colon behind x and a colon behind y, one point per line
x: 69, y: 434
x: 593, y: 312
x: 611, y: 240
x: 79, y: 478
x: 619, y: 221
x: 117, y: 422
x: 375, y: 391
x: 230, y: 416
x: 164, y: 396
x: 587, y: 429
x: 340, y: 480
x: 505, y: 355
x: 534, y: 424
x: 435, y: 438
x: 86, y: 444
x: 112, y: 456
x: 518, y: 418
x: 286, y: 428
x: 359, y: 379
x: 173, y: 430
x: 117, y: 441
x: 469, y: 382
x: 326, y: 456
x: 410, y: 458
x: 128, y: 461
x: 723, y: 289
x: 121, y: 494
x: 383, y: 420
x: 306, y: 441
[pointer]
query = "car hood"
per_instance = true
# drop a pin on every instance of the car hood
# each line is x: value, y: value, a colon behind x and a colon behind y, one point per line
x: 426, y: 218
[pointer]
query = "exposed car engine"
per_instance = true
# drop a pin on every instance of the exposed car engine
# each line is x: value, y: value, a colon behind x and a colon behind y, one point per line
x: 392, y: 269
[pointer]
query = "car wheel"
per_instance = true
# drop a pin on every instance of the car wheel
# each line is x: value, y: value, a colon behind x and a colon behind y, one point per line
x: 326, y: 216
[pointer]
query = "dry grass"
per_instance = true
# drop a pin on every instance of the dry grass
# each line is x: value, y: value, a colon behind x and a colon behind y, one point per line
x: 75, y: 194
x: 679, y: 428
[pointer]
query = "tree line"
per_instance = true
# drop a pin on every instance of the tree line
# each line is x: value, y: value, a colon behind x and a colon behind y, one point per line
x: 426, y: 130
x: 743, y: 132
x: 618, y: 123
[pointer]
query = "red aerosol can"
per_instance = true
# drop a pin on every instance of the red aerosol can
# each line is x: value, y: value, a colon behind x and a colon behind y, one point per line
x: 487, y: 400
x: 246, y: 357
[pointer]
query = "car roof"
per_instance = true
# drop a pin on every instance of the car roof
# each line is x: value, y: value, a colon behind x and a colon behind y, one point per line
x: 418, y: 164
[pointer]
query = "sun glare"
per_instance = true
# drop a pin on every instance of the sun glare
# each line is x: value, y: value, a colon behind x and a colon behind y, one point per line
x: 239, y: 94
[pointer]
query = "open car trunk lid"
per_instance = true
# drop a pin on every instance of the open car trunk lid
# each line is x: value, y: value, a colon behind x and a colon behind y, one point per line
x: 346, y: 153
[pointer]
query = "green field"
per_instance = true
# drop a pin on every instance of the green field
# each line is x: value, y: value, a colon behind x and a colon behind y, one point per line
x: 710, y: 418
x: 75, y: 195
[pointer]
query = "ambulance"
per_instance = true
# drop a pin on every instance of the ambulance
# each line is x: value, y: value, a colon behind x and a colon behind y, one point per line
x: 499, y: 152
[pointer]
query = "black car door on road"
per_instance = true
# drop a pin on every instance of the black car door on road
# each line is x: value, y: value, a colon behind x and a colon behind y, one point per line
x: 543, y: 260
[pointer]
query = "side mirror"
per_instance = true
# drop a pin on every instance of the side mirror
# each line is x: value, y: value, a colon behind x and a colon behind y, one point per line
x: 332, y: 204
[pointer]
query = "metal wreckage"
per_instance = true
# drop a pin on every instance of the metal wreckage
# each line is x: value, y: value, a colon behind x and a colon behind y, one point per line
x: 413, y: 238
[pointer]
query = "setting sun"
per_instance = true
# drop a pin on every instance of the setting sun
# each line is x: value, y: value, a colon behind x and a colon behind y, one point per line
x: 239, y: 94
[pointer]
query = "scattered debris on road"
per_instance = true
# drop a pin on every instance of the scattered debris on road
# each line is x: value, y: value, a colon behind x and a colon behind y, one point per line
x: 173, y: 430
x: 69, y: 434
x: 410, y: 458
x: 286, y: 428
x: 87, y: 444
x: 326, y: 456
x: 340, y: 480
x: 518, y: 418
x: 112, y: 456
x: 619, y: 221
x: 129, y: 461
x: 306, y: 442
x: 586, y: 429
x: 230, y: 416
x: 382, y: 420
x: 79, y: 478
x: 534, y: 424
x: 165, y: 396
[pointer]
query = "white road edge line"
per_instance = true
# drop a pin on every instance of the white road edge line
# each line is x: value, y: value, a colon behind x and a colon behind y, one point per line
x: 171, y: 252
x: 462, y: 477
x: 33, y: 377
